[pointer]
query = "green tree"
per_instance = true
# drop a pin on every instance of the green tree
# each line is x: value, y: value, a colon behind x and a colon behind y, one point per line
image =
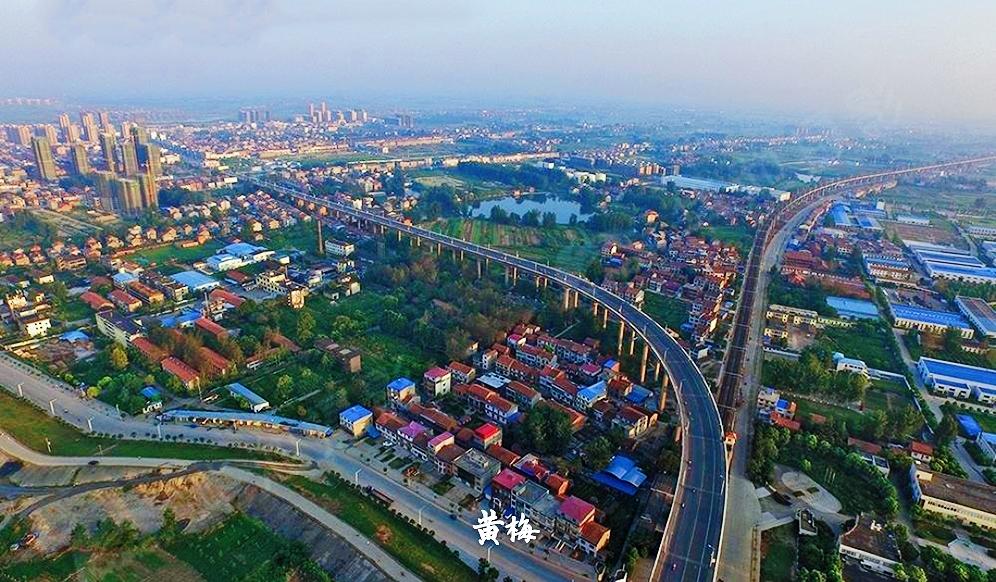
x: 947, y: 430
x: 117, y: 357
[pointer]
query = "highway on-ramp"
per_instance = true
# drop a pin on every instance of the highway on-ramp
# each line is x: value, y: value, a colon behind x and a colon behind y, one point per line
x: 692, y: 535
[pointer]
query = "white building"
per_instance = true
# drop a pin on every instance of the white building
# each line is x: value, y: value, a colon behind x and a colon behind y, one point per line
x: 852, y: 365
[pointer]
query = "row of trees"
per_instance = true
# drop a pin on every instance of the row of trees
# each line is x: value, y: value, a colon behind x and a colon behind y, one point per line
x: 812, y: 373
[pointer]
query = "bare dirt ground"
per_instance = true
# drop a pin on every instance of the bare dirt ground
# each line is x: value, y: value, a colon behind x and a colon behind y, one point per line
x: 203, y: 499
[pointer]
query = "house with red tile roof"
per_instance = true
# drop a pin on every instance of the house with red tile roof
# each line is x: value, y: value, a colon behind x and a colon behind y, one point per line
x: 594, y: 536
x: 574, y: 512
x: 95, y: 301
x: 124, y: 300
x: 921, y: 451
x: 211, y: 328
x: 557, y: 484
x: 187, y: 376
x: 486, y: 435
x: 506, y: 457
x: 217, y: 364
x: 462, y: 373
x: 503, y: 487
x: 149, y: 350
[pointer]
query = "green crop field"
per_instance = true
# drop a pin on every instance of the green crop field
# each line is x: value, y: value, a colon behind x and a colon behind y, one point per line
x: 169, y: 253
x: 238, y: 549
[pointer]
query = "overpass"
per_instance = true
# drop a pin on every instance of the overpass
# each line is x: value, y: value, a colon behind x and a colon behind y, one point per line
x: 690, y: 544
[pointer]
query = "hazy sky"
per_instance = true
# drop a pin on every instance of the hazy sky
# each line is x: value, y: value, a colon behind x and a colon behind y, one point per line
x: 888, y: 59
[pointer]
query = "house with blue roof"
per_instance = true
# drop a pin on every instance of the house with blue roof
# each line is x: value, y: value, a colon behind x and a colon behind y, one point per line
x: 254, y: 401
x: 958, y: 380
x: 622, y: 475
x: 590, y: 395
x: 930, y: 320
x: 355, y: 420
x: 153, y: 399
x: 400, y: 391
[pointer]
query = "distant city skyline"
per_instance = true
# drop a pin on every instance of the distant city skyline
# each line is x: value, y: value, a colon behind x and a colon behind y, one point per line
x: 891, y: 60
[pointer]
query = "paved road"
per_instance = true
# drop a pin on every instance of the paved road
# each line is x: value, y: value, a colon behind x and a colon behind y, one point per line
x: 694, y: 528
x: 737, y: 563
x: 40, y: 389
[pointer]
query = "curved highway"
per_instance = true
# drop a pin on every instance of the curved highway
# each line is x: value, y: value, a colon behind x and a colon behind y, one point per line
x: 694, y: 528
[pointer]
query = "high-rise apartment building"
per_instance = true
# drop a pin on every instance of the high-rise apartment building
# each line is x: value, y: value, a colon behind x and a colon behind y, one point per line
x: 129, y: 158
x: 77, y: 156
x: 44, y: 163
x: 105, y: 122
x: 19, y: 134
x: 150, y: 157
x: 105, y: 189
x: 65, y: 127
x: 90, y: 131
x: 49, y: 132
x: 128, y: 195
x: 107, y: 146
x: 140, y: 134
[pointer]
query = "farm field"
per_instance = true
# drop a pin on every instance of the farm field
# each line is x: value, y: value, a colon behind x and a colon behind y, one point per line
x: 666, y: 311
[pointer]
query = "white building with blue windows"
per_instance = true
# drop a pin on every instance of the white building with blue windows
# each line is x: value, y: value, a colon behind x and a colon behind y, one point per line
x: 958, y: 380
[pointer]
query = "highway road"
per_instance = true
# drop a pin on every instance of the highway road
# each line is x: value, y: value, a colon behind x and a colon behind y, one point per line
x: 693, y: 532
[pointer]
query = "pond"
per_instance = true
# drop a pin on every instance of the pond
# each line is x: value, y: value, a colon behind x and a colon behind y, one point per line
x: 562, y: 208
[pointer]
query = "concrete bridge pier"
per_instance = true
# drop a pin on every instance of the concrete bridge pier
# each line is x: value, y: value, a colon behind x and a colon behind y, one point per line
x: 605, y: 317
x: 577, y: 299
x: 594, y: 310
x: 622, y: 330
x: 662, y: 396
x: 567, y: 298
x: 399, y: 236
x: 632, y: 342
x: 478, y: 268
x: 515, y: 275
x: 643, y: 362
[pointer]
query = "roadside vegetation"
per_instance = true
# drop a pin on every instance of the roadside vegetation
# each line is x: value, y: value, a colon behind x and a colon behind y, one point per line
x: 415, y: 548
x: 32, y: 428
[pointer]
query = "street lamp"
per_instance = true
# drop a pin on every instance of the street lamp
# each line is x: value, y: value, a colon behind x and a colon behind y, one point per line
x: 420, y: 515
x: 51, y: 406
x: 356, y: 477
x: 89, y: 423
x: 297, y: 447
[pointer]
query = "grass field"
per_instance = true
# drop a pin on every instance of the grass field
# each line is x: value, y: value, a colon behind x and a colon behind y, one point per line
x: 740, y: 236
x: 302, y: 236
x: 417, y: 551
x: 169, y: 253
x: 873, y: 344
x: 778, y: 546
x: 666, y: 310
x: 567, y: 247
x: 855, y: 420
x: 30, y: 426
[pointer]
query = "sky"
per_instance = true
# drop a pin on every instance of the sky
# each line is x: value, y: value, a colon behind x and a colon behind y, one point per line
x: 881, y: 59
